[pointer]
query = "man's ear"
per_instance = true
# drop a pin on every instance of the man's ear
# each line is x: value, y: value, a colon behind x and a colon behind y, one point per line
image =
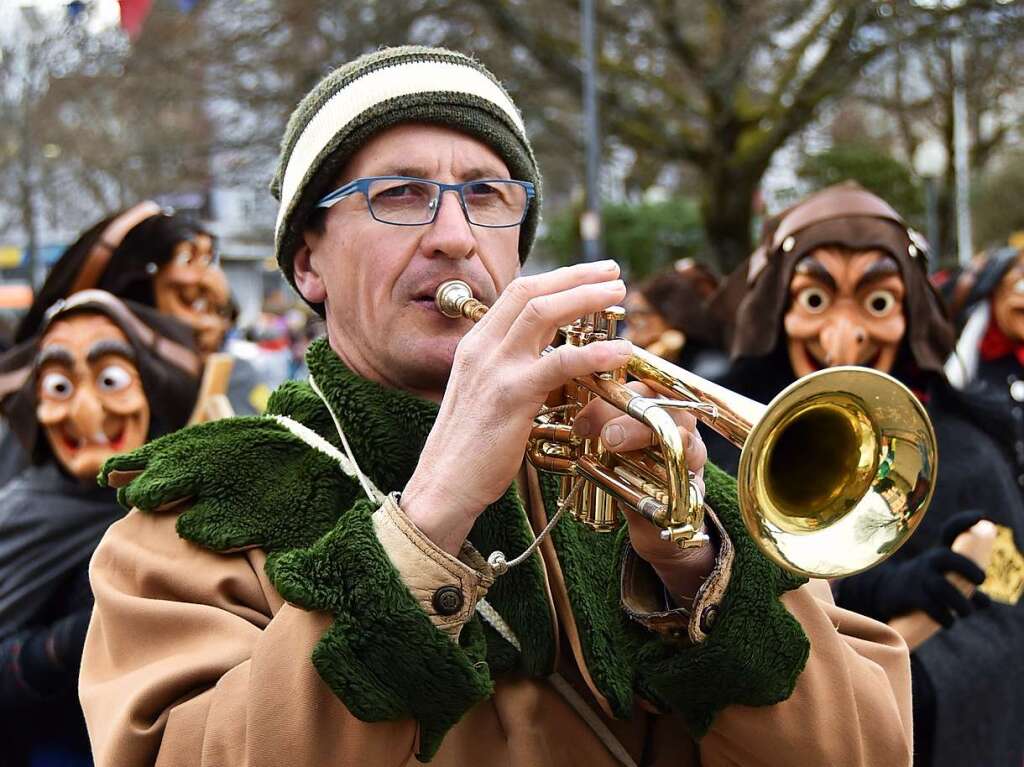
x: 307, y: 278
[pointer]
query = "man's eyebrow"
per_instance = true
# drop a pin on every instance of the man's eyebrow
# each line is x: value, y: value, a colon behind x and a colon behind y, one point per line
x: 55, y: 354
x: 109, y: 346
x: 812, y: 267
x: 883, y: 267
x: 476, y: 172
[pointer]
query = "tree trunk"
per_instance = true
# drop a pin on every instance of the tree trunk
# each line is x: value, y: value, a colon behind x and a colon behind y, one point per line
x: 727, y: 207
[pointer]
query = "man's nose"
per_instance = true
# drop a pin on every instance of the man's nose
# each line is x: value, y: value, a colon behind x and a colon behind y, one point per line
x: 451, y: 234
x: 843, y: 340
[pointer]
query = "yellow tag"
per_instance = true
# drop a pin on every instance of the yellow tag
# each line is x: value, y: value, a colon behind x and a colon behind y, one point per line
x: 259, y: 397
x: 1004, y: 576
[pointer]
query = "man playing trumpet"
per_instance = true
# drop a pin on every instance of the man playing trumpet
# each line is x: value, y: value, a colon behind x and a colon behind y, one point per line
x: 326, y: 597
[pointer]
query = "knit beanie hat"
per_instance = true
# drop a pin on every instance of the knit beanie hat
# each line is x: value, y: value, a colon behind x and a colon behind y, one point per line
x: 375, y: 92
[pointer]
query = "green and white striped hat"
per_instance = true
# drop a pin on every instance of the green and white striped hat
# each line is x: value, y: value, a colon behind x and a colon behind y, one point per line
x: 379, y: 90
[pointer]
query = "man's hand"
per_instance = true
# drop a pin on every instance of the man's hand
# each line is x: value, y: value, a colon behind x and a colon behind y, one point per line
x: 499, y: 382
x: 681, y: 570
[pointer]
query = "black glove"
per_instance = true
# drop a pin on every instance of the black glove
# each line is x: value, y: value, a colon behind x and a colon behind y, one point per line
x: 898, y: 588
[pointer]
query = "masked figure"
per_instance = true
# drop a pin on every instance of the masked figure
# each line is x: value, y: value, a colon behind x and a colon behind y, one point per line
x: 667, y: 316
x: 75, y: 395
x: 839, y: 279
x: 987, y: 299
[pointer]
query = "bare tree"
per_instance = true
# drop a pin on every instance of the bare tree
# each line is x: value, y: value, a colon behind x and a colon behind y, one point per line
x: 720, y: 85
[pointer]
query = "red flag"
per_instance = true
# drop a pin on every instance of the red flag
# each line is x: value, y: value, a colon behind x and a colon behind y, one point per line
x: 133, y: 15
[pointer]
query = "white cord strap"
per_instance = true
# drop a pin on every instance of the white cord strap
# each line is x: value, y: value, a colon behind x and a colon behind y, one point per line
x: 497, y: 559
x: 347, y: 462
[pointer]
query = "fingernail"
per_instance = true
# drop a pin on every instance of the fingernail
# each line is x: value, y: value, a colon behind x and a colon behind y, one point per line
x: 608, y: 265
x: 615, y: 286
x: 622, y: 347
x: 581, y: 427
x: 613, y: 435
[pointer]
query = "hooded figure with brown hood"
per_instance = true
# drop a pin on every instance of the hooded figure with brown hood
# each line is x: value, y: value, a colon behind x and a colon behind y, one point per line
x: 839, y: 279
x: 99, y: 377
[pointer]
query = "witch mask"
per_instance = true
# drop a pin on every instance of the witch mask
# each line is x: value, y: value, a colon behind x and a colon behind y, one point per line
x: 1008, y: 302
x: 189, y: 289
x: 845, y: 308
x: 90, y: 400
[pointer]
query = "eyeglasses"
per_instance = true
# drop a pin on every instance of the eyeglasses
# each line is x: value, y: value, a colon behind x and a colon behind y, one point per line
x: 406, y: 201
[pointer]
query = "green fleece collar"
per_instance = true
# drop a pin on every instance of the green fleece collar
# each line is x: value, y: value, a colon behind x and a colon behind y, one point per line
x: 386, y: 429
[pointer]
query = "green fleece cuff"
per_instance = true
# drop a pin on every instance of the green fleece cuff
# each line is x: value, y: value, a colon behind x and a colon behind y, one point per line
x: 755, y: 649
x: 382, y: 656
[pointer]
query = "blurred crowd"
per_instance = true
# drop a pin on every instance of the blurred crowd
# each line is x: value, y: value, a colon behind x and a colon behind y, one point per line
x: 132, y: 336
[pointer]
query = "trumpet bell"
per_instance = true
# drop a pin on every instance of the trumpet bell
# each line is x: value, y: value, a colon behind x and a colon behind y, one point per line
x: 838, y: 472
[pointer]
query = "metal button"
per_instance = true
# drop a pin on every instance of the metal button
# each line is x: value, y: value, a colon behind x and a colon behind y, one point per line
x: 1017, y: 391
x: 447, y: 600
x: 912, y: 250
x: 707, y: 618
x: 788, y: 244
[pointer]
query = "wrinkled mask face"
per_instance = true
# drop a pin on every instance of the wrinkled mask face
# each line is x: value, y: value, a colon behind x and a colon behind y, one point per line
x: 212, y: 311
x: 180, y: 286
x: 1008, y: 302
x: 91, y: 404
x: 645, y: 324
x: 845, y: 308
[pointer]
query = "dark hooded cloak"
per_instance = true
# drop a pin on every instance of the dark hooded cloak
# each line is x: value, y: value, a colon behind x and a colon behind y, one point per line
x: 50, y: 524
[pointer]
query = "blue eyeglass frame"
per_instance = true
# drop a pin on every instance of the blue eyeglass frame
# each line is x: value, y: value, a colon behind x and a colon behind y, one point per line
x: 363, y: 185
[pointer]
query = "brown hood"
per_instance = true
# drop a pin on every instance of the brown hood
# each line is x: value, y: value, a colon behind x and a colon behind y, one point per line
x: 753, y: 299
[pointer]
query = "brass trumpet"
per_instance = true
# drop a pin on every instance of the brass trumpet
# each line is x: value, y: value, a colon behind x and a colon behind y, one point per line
x: 835, y: 473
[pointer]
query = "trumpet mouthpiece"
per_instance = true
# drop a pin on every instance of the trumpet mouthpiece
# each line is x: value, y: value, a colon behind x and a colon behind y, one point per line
x: 454, y: 299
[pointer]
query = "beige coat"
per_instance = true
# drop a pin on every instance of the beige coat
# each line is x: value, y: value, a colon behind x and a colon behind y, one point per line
x: 194, y: 659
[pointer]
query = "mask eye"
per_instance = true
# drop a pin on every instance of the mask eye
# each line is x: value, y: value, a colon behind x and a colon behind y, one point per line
x: 880, y: 302
x: 113, y: 378
x: 814, y: 300
x: 57, y: 386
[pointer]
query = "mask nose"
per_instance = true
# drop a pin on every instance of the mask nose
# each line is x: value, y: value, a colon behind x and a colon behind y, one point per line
x: 843, y: 341
x: 86, y: 414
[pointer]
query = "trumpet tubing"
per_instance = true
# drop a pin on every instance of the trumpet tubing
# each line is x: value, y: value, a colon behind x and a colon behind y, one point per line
x: 835, y: 472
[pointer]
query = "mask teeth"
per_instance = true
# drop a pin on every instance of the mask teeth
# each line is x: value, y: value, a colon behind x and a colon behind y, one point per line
x: 98, y: 438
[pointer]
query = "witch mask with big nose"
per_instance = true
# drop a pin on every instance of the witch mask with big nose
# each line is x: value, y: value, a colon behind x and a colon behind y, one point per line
x: 91, y: 404
x: 845, y: 308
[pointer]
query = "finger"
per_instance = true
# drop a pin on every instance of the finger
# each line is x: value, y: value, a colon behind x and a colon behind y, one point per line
x: 939, y: 614
x: 543, y: 315
x: 134, y: 461
x: 567, y: 362
x: 950, y: 562
x: 958, y: 523
x: 954, y: 598
x: 118, y: 479
x: 625, y: 433
x: 596, y: 413
x: 512, y: 300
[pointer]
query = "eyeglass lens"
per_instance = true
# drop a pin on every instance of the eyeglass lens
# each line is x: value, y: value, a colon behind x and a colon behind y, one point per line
x: 488, y: 203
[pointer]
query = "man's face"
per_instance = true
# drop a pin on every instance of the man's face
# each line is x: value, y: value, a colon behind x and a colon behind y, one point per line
x: 91, y: 401
x: 1008, y: 302
x: 377, y: 281
x: 844, y: 309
